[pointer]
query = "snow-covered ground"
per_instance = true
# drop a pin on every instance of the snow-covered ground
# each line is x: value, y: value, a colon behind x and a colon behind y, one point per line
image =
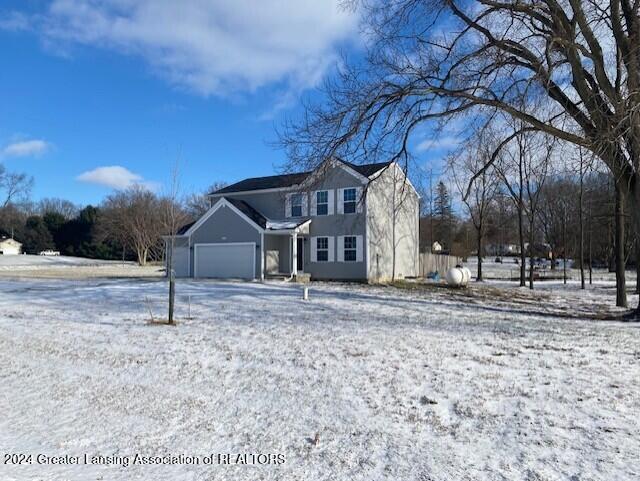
x: 26, y: 260
x: 508, y: 269
x: 71, y: 267
x: 418, y: 384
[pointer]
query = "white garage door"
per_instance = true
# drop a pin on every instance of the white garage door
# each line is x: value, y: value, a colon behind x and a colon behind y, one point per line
x: 233, y: 260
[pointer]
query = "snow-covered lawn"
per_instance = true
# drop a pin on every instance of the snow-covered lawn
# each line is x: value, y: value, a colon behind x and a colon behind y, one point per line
x: 24, y: 261
x: 71, y: 267
x: 417, y: 384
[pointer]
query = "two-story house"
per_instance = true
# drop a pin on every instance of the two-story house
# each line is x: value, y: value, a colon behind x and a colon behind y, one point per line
x: 341, y: 221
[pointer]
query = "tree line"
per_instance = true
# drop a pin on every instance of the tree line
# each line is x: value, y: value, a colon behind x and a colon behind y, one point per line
x: 537, y: 199
x: 127, y: 225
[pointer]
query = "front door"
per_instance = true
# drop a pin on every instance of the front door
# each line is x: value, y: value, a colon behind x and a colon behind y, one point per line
x: 300, y: 263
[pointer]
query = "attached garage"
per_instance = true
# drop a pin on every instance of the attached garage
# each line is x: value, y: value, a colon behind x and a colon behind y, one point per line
x: 232, y: 260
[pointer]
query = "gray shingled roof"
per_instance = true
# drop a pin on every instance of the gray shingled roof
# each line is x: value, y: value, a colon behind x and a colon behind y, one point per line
x: 249, y: 211
x: 261, y: 183
x: 287, y: 180
x: 182, y: 230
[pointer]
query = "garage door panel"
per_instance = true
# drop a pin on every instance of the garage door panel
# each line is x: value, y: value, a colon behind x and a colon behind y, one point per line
x: 225, y: 261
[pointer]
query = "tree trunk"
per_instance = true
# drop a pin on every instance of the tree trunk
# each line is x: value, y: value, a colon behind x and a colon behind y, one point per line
x: 531, y: 255
x: 142, y: 257
x: 523, y: 254
x: 564, y: 249
x: 479, y: 233
x: 590, y: 246
x: 172, y: 295
x: 621, y: 287
x: 635, y: 218
x: 581, y: 227
x: 637, y: 265
x: 172, y: 281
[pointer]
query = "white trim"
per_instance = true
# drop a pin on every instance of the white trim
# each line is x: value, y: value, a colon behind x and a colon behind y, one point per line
x: 261, y: 257
x: 331, y: 249
x: 331, y: 201
x: 314, y: 249
x: 221, y: 203
x: 294, y: 255
x: 210, y: 244
x: 314, y: 202
x: 340, y: 248
x: 358, y: 201
x: 287, y: 206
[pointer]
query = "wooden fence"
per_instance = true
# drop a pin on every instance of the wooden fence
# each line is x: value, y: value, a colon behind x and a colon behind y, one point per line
x: 435, y: 262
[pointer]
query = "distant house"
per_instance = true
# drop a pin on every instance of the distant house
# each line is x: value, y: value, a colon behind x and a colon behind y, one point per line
x: 9, y: 246
x: 436, y: 247
x: 542, y: 250
x: 502, y: 249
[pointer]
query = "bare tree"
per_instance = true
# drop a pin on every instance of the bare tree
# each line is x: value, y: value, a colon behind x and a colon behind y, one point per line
x: 524, y: 170
x: 65, y: 208
x: 584, y: 166
x: 463, y: 165
x: 133, y: 216
x: 173, y: 217
x: 13, y: 186
x: 198, y: 204
x: 431, y: 60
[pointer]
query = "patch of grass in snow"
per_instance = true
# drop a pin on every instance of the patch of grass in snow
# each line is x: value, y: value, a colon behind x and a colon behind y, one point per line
x: 518, y: 300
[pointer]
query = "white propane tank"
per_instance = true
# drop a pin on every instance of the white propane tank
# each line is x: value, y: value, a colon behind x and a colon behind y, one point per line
x: 458, y: 276
x: 467, y: 276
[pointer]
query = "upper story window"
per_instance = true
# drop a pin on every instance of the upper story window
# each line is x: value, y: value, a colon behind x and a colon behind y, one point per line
x: 322, y: 249
x: 350, y: 248
x: 322, y: 202
x: 349, y: 201
x: 296, y: 205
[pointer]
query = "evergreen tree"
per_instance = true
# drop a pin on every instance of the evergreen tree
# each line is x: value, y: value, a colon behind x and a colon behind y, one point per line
x: 444, y: 215
x: 36, y: 237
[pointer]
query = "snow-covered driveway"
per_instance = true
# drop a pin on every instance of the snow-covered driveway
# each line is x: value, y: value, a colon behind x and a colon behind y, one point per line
x: 397, y: 385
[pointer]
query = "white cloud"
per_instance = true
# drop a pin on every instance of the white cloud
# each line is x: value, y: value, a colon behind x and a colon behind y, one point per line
x: 14, y: 22
x: 116, y: 177
x: 26, y: 148
x: 212, y: 47
x: 442, y: 143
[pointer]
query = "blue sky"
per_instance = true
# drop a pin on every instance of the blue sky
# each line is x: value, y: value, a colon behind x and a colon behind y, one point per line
x: 96, y: 95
